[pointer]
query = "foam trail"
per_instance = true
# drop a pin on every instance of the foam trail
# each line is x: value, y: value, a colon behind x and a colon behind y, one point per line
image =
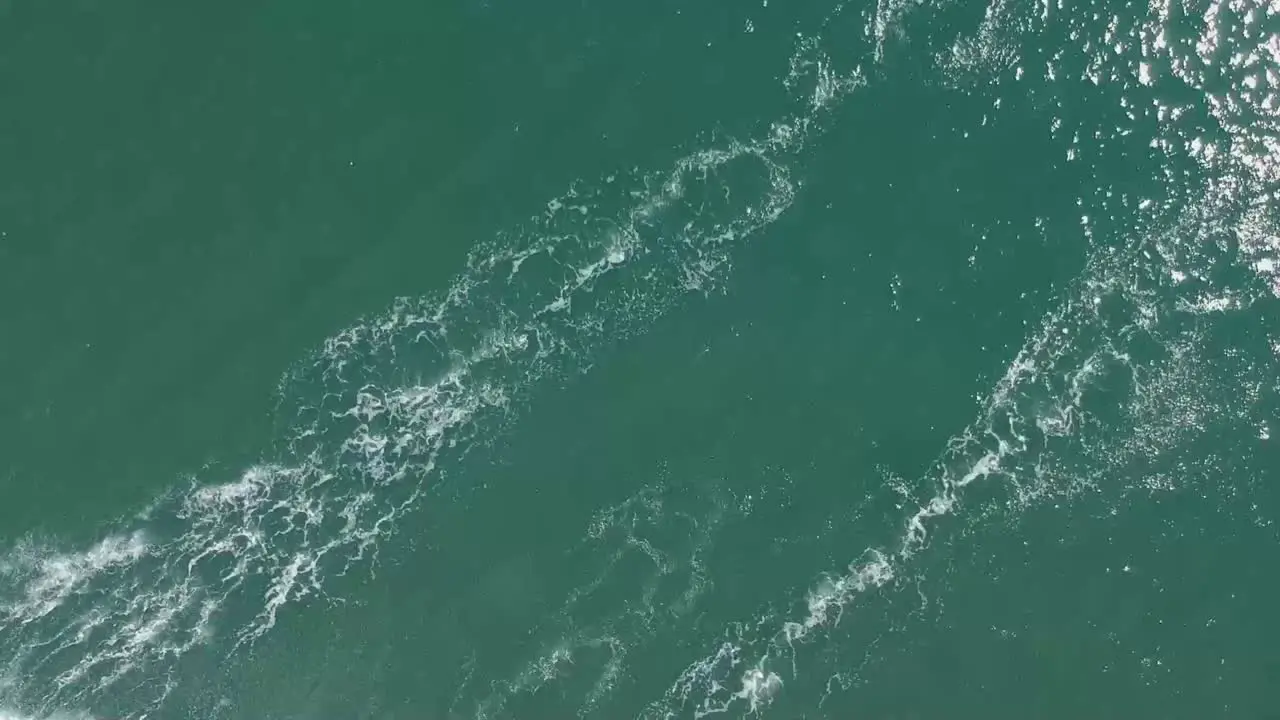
x: 656, y: 542
x: 11, y: 715
x: 375, y: 411
x: 1040, y: 433
x: 1130, y: 321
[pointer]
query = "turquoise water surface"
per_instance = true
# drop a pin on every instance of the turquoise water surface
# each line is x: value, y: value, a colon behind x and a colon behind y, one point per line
x: 665, y: 360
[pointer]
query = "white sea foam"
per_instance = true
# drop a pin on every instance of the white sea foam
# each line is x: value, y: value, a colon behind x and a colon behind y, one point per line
x: 14, y: 715
x: 655, y: 542
x: 383, y: 402
x: 1038, y: 434
x: 373, y: 412
x: 47, y: 578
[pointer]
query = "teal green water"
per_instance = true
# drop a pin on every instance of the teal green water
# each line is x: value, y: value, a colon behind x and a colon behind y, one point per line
x: 792, y: 360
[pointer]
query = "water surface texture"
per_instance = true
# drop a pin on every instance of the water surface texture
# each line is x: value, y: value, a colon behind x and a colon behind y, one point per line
x: 772, y: 359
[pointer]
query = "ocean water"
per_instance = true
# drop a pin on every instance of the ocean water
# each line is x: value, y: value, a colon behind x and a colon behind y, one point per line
x: 782, y: 359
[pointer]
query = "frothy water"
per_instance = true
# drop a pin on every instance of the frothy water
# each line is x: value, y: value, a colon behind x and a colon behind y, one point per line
x: 1043, y: 433
x: 5, y: 715
x: 655, y: 543
x: 1115, y: 376
x: 376, y: 410
x: 1118, y: 376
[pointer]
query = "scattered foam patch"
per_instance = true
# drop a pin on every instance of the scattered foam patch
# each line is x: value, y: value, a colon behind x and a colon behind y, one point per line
x: 373, y: 414
x: 1119, y: 375
x: 1116, y: 375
